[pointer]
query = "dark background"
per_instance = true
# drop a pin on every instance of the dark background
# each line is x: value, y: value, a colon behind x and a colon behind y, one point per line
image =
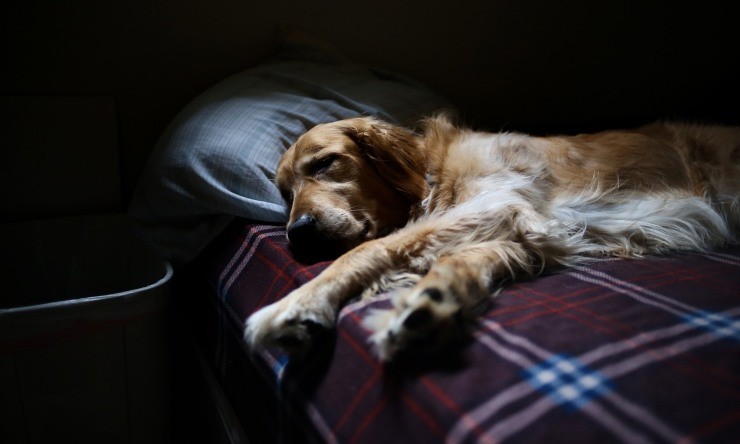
x: 542, y: 67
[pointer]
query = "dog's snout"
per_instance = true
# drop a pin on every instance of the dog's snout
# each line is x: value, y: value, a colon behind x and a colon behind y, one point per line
x: 302, y: 231
x: 308, y: 240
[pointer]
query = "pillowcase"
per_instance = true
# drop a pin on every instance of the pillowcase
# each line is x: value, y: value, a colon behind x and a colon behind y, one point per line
x: 217, y: 158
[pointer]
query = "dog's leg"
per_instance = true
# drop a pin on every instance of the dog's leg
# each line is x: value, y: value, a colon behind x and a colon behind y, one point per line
x: 292, y: 322
x: 438, y: 308
x: 462, y: 277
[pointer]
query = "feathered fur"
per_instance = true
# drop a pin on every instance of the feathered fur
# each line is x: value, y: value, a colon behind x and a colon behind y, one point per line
x: 457, y: 212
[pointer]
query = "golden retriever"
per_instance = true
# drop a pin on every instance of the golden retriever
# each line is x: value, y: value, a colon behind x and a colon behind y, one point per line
x: 465, y: 211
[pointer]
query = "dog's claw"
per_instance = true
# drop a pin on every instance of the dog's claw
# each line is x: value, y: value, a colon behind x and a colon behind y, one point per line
x: 418, y: 319
x: 282, y: 325
x: 424, y: 317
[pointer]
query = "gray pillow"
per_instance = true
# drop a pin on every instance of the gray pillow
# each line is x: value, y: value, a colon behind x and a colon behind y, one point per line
x: 216, y: 160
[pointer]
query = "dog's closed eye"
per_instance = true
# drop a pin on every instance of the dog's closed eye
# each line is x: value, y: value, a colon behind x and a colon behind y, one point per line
x: 322, y: 164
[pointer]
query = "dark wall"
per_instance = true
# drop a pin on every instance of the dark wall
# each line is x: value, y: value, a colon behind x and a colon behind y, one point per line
x: 151, y: 56
x: 520, y: 65
x: 551, y: 65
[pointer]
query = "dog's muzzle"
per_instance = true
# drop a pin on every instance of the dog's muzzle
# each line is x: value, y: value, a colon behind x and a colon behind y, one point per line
x: 306, y: 238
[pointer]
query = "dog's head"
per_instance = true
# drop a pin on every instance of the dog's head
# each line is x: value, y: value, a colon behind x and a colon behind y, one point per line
x: 348, y: 182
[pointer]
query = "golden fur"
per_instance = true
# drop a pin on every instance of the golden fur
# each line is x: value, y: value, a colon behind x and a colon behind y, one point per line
x: 458, y: 212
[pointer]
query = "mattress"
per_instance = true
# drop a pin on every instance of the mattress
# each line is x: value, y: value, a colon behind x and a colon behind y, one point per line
x: 618, y: 351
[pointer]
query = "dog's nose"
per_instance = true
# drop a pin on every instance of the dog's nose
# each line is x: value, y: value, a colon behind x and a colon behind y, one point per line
x: 303, y: 231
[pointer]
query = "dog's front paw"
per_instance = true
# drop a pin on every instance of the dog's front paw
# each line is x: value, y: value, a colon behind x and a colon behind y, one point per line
x: 292, y: 324
x: 426, y: 318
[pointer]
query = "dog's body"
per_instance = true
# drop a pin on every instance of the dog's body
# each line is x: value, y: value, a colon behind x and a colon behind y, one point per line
x: 476, y: 209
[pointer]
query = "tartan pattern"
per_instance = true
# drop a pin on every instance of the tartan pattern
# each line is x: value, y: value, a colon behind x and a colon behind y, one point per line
x: 619, y: 351
x: 568, y: 382
x: 723, y: 326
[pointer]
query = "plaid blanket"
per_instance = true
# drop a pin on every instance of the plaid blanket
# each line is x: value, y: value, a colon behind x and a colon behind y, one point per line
x: 619, y: 351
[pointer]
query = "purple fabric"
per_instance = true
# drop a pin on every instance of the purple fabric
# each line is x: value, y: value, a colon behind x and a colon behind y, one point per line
x: 620, y: 351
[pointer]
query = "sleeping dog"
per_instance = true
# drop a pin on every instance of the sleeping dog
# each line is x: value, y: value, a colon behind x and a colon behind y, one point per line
x: 458, y: 212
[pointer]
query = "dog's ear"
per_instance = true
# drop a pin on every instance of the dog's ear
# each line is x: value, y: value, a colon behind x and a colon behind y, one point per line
x: 396, y: 152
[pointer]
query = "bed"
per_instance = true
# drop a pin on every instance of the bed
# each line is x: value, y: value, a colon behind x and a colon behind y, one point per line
x: 618, y: 351
x: 621, y: 351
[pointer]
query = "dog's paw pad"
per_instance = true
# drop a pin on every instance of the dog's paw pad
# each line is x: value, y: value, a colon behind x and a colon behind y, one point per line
x: 434, y: 294
x: 293, y: 332
x: 418, y: 319
x: 423, y: 319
